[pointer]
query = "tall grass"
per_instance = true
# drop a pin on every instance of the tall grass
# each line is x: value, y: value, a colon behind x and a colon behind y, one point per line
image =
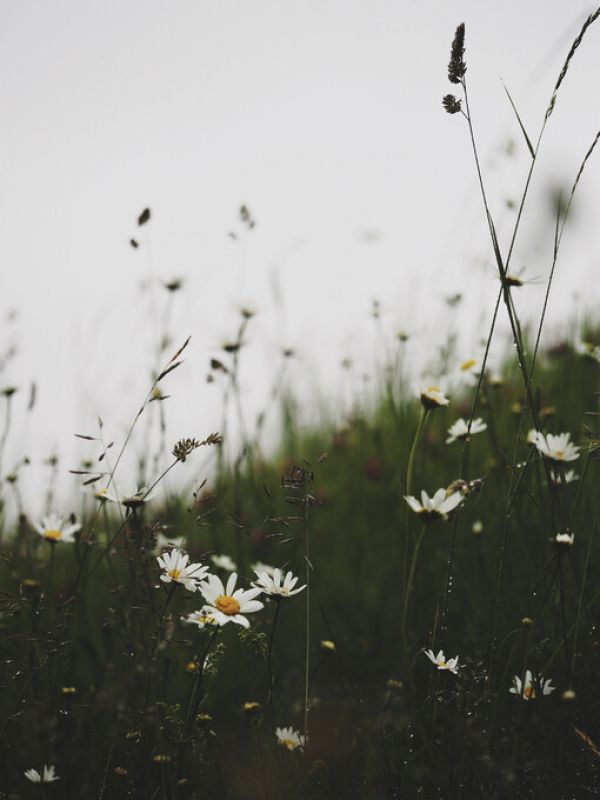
x: 444, y: 650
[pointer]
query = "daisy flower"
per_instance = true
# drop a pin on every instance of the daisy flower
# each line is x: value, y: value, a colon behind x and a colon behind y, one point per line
x: 433, y: 397
x: 200, y: 618
x: 468, y: 370
x: 564, y: 540
x: 271, y: 584
x: 260, y: 567
x: 54, y: 530
x: 588, y: 350
x: 559, y: 480
x: 132, y: 499
x: 228, y: 604
x: 451, y: 665
x: 224, y: 562
x: 177, y: 570
x: 556, y: 448
x: 47, y: 775
x: 527, y: 690
x: 289, y: 738
x: 436, y: 507
x: 165, y: 542
x: 460, y: 429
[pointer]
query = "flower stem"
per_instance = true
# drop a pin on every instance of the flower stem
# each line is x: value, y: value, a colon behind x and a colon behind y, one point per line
x: 413, y: 450
x: 409, y: 584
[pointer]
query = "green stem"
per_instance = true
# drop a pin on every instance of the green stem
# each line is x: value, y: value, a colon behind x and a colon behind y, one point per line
x: 413, y: 450
x: 409, y: 584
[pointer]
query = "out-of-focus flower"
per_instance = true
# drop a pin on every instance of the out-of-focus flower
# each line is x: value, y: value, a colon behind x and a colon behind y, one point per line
x: 433, y: 397
x: 559, y: 479
x: 200, y: 618
x: 289, y: 738
x: 460, y: 429
x: 47, y: 776
x: 224, y: 562
x: 451, y: 665
x: 53, y: 529
x: 165, y: 542
x: 554, y: 447
x: 527, y: 690
x: 564, y: 541
x: 135, y: 498
x: 228, y: 604
x: 177, y: 570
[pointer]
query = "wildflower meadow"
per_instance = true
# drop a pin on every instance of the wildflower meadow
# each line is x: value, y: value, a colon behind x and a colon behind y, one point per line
x: 398, y: 601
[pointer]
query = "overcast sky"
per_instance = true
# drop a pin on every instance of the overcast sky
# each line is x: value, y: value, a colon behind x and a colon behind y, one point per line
x: 324, y: 117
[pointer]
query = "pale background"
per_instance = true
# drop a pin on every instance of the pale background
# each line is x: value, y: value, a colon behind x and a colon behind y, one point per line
x: 325, y: 118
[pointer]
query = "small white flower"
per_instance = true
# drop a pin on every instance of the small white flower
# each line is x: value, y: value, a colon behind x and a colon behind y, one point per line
x: 224, y: 562
x: 200, y: 618
x: 555, y: 448
x: 588, y: 350
x: 47, y: 775
x: 260, y: 567
x: 177, y: 570
x: 451, y: 665
x: 271, y: 584
x: 53, y: 529
x: 167, y: 542
x: 436, y: 507
x: 560, y: 480
x: 527, y: 690
x: 469, y: 369
x: 564, y: 540
x: 461, y: 430
x: 289, y: 738
x: 134, y: 498
x: 433, y: 397
x: 477, y: 527
x: 228, y: 604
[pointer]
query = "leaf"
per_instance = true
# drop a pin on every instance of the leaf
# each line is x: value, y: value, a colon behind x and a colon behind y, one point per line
x: 514, y: 108
x: 83, y: 436
x: 166, y: 371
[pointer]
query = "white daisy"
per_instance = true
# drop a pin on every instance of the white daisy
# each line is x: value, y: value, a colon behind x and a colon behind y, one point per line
x: 555, y: 448
x: 588, y: 350
x: 564, y: 540
x: 289, y: 738
x: 260, y: 567
x: 54, y: 530
x: 177, y: 570
x: 166, y: 542
x: 436, y: 507
x: 228, y: 604
x: 451, y: 665
x: 560, y: 480
x: 527, y: 690
x: 200, y: 618
x: 433, y: 397
x: 468, y: 370
x: 224, y: 562
x: 134, y: 498
x: 47, y: 775
x: 461, y: 430
x: 271, y: 584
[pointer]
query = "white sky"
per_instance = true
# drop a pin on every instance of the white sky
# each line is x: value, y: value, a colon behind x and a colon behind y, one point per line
x: 324, y: 117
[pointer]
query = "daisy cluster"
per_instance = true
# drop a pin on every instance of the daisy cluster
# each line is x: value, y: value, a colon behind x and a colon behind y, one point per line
x: 223, y: 602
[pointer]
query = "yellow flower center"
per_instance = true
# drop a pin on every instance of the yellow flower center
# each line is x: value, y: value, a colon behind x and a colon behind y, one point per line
x: 528, y: 692
x: 559, y: 454
x: 53, y: 535
x: 289, y: 743
x: 432, y: 389
x: 470, y: 362
x: 174, y: 574
x: 228, y: 605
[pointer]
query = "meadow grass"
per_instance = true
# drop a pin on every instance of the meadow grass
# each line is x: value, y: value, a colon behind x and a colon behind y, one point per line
x: 444, y: 646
